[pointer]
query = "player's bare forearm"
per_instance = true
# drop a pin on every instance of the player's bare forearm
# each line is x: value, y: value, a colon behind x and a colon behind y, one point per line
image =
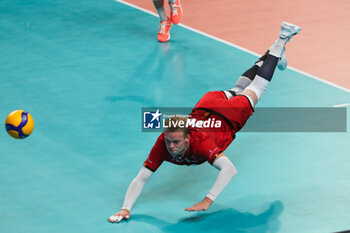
x: 203, y: 205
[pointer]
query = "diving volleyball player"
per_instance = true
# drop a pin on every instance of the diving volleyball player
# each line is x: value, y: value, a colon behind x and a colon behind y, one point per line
x: 192, y: 145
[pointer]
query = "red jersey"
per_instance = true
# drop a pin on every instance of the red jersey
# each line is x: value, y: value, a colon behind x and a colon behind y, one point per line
x: 206, y: 143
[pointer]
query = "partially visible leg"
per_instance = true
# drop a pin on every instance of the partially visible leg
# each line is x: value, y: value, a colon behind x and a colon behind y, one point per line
x: 165, y: 22
x: 248, y: 76
x: 159, y: 5
x: 264, y: 75
x: 262, y: 79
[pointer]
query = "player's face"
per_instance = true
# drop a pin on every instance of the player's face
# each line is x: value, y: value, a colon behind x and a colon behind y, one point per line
x: 176, y: 142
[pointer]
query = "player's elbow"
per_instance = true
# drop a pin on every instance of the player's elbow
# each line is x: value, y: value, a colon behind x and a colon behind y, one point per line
x: 226, y: 166
x: 232, y: 170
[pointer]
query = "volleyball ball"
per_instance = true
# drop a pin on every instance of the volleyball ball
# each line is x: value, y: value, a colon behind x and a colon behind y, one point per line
x: 19, y: 124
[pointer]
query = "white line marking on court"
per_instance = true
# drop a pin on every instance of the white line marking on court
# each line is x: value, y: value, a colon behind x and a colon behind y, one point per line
x: 235, y: 46
x: 341, y: 105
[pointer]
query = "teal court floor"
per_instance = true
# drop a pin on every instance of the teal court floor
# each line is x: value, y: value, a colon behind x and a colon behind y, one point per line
x: 84, y: 70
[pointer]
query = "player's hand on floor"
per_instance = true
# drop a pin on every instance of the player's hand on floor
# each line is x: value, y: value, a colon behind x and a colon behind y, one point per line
x: 117, y: 217
x: 203, y: 205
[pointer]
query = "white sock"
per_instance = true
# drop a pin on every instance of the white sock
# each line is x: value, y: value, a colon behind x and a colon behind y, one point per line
x: 258, y: 86
x: 242, y: 83
x: 277, y: 47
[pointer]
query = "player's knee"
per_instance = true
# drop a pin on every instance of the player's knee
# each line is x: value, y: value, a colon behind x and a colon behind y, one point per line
x: 233, y: 170
x: 251, y: 95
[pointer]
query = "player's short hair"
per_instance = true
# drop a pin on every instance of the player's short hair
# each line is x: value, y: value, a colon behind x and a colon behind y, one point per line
x: 177, y: 123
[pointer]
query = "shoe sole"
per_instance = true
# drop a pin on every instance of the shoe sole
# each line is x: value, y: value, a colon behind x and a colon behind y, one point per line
x: 290, y: 27
x: 164, y: 41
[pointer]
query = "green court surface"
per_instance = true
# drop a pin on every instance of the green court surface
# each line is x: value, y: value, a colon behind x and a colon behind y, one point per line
x: 85, y: 69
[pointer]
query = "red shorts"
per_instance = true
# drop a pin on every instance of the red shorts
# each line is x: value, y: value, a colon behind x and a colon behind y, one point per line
x: 235, y: 110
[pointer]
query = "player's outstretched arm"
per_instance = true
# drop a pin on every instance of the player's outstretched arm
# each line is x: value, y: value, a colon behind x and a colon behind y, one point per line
x: 227, y: 172
x: 134, y: 190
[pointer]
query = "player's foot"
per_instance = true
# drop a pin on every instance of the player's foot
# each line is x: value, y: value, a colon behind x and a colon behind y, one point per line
x: 288, y: 30
x: 176, y: 11
x: 164, y: 30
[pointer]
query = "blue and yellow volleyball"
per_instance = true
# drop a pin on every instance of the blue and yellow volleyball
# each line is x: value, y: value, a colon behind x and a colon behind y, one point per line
x: 19, y: 124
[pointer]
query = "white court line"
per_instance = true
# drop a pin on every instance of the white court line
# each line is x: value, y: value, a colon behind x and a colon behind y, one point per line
x: 341, y: 105
x: 235, y: 46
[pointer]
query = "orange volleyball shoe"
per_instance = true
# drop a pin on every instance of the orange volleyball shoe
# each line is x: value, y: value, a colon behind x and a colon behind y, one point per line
x: 176, y: 12
x: 164, y: 31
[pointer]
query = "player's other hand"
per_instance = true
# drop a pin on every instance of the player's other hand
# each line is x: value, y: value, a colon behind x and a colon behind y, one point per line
x: 203, y: 205
x: 117, y: 217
